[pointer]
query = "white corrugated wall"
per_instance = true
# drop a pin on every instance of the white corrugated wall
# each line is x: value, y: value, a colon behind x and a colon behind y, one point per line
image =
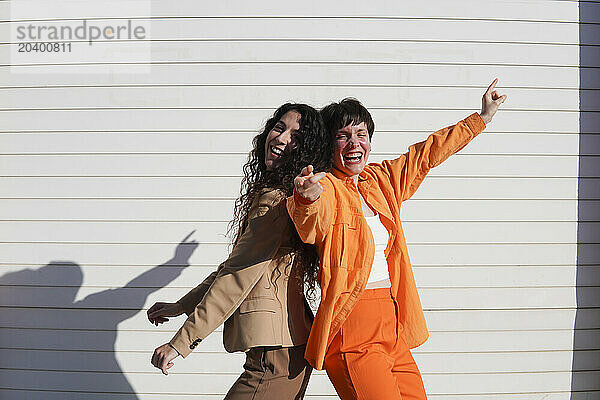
x: 104, y: 175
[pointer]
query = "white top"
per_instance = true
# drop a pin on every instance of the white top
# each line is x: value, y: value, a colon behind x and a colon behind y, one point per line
x: 379, y: 270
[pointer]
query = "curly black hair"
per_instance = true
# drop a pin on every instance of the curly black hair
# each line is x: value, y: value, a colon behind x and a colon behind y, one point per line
x: 315, y: 148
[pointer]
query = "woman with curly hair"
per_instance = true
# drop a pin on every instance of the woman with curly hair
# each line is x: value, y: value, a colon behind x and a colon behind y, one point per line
x: 258, y: 291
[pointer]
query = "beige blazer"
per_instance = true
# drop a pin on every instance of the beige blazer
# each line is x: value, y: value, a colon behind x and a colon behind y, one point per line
x: 254, y: 292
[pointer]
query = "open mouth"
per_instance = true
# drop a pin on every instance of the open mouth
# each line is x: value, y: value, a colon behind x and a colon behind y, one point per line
x: 353, y: 158
x: 277, y: 152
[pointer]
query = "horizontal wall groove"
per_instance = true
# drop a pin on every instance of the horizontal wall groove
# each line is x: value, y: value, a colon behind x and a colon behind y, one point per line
x: 104, y: 392
x: 189, y: 288
x: 200, y: 221
x: 24, y: 264
x: 315, y: 40
x: 199, y: 352
x: 307, y: 396
x: 100, y: 351
x: 240, y: 153
x: 237, y: 373
x: 173, y: 331
x: 591, y: 199
x: 445, y: 244
x: 290, y: 85
x: 304, y: 62
x: 239, y: 177
x: 309, y: 17
x: 248, y: 108
x: 424, y: 309
x: 333, y: 397
x: 255, y: 131
x: 119, y: 372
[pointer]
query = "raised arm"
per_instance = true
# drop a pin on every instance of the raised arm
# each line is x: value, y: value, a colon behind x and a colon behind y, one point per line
x: 408, y: 171
x: 161, y: 311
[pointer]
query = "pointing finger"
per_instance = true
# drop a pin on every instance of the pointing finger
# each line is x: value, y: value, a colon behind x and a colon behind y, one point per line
x: 492, y: 86
x: 316, y: 178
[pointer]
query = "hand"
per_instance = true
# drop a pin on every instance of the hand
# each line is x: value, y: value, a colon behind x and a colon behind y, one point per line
x: 307, y: 184
x: 490, y: 102
x: 158, y: 312
x: 163, y: 357
x: 184, y: 250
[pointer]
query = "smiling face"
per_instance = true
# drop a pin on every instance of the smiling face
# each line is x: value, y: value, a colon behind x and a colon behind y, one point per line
x: 351, y: 149
x: 282, y: 139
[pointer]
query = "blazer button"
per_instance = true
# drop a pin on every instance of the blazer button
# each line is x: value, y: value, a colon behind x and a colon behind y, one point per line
x: 192, y: 346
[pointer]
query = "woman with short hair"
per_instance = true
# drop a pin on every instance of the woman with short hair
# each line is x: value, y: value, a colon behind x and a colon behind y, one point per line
x: 370, y: 315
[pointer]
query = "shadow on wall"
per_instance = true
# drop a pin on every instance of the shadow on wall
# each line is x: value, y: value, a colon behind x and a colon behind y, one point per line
x: 585, y: 378
x: 54, y: 347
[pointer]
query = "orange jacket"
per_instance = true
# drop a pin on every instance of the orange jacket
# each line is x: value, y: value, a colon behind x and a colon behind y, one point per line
x: 336, y: 225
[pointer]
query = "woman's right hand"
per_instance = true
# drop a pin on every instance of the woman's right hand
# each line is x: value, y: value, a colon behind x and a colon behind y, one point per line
x: 307, y: 184
x: 490, y: 102
x: 159, y: 311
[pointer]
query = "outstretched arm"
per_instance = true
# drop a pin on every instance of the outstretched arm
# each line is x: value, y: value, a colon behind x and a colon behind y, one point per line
x: 408, y: 171
x: 160, y: 311
x: 250, y: 257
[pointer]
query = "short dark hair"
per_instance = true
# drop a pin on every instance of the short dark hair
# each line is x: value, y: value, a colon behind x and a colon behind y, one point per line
x: 348, y: 111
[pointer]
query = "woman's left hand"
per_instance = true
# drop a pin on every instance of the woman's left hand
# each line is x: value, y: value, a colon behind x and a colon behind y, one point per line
x: 163, y: 357
x: 490, y: 102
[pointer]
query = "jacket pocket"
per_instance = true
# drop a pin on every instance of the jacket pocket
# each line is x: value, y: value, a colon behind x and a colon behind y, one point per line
x: 261, y: 304
x: 347, y: 217
x: 344, y: 237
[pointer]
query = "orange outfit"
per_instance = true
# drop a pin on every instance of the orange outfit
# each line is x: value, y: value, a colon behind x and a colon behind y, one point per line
x: 367, y: 359
x: 335, y: 224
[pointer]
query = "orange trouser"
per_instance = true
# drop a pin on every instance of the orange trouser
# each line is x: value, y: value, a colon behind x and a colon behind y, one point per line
x: 367, y: 359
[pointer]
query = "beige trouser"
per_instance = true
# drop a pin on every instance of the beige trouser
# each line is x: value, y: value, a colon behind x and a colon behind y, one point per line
x: 272, y: 373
